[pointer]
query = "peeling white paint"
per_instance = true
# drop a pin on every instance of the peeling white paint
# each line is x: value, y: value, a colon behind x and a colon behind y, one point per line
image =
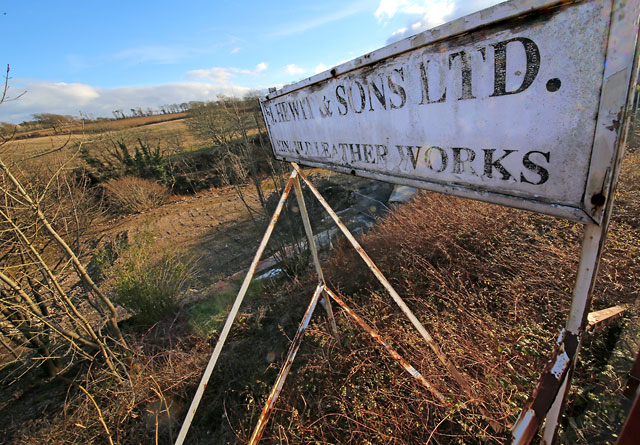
x: 521, y: 424
x: 562, y: 360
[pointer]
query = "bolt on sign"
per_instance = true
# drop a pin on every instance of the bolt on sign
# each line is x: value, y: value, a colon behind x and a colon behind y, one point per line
x: 519, y: 105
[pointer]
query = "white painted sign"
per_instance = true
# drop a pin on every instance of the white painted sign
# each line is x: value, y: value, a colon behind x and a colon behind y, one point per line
x: 520, y: 104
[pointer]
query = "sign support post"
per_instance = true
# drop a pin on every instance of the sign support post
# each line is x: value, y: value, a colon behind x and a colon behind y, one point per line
x: 392, y: 292
x: 314, y: 253
x: 587, y: 271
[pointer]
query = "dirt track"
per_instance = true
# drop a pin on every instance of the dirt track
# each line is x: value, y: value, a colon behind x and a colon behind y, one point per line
x: 214, y: 225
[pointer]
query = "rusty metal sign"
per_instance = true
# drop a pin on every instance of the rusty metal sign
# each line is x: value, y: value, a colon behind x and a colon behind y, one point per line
x: 519, y: 105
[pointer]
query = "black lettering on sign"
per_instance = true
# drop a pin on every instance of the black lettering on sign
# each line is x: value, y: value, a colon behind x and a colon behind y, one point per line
x: 465, y: 71
x: 269, y: 114
x: 397, y: 89
x: 308, y: 102
x: 344, y: 147
x: 381, y: 153
x: 279, y: 112
x: 536, y: 168
x: 283, y: 145
x: 325, y: 108
x: 295, y: 111
x: 356, y: 155
x: 424, y: 80
x: 362, y: 99
x: 500, y: 65
x: 444, y: 159
x: 342, y: 100
x: 408, y: 155
x: 459, y: 161
x: 378, y: 92
x: 367, y: 153
x: 490, y: 164
x: 334, y: 151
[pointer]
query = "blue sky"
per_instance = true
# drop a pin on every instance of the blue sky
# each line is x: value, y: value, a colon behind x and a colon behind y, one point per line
x: 73, y: 57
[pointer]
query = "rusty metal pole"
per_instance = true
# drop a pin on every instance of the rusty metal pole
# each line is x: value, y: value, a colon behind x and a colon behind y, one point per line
x: 372, y: 332
x: 314, y: 253
x: 398, y: 300
x: 548, y: 397
x: 578, y: 317
x: 232, y: 314
x: 282, y: 376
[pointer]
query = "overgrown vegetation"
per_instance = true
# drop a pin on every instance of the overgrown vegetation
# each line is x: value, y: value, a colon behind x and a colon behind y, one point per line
x: 143, y: 160
x: 131, y: 194
x: 44, y: 320
x: 237, y: 131
x: 206, y: 317
x: 491, y: 284
x: 144, y: 279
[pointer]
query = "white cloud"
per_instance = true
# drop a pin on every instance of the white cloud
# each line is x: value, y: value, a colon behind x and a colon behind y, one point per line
x: 261, y: 67
x: 399, y: 32
x: 217, y: 74
x: 320, y: 68
x: 387, y: 9
x: 426, y: 14
x: 235, y: 50
x: 294, y: 70
x: 73, y: 99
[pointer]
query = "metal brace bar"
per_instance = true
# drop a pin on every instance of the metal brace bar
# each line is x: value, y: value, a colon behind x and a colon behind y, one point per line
x: 286, y: 367
x: 414, y: 320
x: 314, y: 252
x: 406, y: 365
x: 232, y: 315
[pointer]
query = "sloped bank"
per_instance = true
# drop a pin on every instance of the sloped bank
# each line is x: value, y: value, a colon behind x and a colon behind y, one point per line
x: 493, y: 286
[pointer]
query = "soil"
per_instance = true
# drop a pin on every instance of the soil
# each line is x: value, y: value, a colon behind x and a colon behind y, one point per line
x: 215, y: 226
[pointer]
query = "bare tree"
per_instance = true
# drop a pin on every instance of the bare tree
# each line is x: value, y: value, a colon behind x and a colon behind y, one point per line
x: 39, y: 310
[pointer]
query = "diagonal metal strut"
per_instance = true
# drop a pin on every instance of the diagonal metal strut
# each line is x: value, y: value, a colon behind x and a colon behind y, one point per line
x: 414, y: 320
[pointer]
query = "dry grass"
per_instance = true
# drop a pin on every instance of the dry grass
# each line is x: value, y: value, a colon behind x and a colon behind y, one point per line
x: 145, y: 408
x: 131, y: 194
x: 174, y: 132
x: 493, y: 286
x: 102, y: 126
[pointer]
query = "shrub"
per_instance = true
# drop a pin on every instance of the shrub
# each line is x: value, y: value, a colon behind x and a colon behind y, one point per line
x: 147, y: 284
x: 111, y: 158
x: 130, y: 194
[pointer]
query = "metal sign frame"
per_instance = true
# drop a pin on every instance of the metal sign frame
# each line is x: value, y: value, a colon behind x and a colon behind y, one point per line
x: 612, y: 122
x: 309, y: 126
